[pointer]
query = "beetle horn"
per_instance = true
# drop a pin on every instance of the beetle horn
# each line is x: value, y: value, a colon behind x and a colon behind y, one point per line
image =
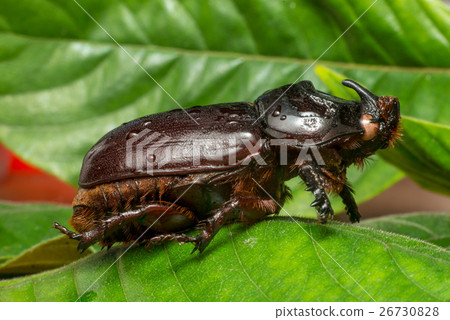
x: 368, y: 99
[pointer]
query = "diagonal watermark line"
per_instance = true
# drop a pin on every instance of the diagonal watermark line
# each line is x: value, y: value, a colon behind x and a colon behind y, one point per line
x: 315, y: 241
x: 135, y: 241
x: 315, y: 61
x: 134, y: 60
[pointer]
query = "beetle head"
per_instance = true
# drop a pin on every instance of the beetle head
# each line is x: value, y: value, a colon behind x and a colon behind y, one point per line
x: 380, y: 117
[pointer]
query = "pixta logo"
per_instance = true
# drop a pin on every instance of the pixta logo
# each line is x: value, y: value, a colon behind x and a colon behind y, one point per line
x: 147, y: 151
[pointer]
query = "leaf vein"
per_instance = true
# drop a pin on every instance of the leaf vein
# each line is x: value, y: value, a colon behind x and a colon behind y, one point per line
x: 243, y: 268
x: 416, y: 225
x: 396, y: 244
x: 175, y: 275
x: 407, y: 276
x: 326, y: 269
x: 246, y: 56
x: 120, y: 277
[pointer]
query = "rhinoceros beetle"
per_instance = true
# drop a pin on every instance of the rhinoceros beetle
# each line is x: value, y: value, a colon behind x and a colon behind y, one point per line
x: 153, y: 178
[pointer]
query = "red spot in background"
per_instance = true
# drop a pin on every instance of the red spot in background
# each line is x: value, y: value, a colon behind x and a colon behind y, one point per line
x: 20, y: 181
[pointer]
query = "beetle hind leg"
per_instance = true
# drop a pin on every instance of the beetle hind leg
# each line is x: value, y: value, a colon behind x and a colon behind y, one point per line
x: 160, y: 217
x: 85, y: 240
x: 161, y: 238
x: 70, y: 234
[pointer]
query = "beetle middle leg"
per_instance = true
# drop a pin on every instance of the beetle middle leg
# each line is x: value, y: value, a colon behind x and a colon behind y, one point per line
x: 248, y: 209
x: 220, y: 216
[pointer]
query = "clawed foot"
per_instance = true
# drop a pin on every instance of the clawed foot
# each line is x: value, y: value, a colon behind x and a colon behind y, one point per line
x: 201, y: 242
x: 84, y: 239
x: 354, y: 215
x: 324, y: 210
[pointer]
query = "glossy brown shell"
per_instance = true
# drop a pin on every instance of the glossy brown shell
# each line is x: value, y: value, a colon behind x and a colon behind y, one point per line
x: 169, y: 140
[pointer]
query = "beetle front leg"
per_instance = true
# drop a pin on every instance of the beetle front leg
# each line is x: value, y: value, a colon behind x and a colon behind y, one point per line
x: 350, y: 204
x: 311, y: 175
x: 213, y: 224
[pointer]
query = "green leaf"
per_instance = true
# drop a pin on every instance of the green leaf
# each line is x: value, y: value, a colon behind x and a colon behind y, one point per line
x: 24, y: 225
x: 423, y: 152
x: 65, y: 83
x: 48, y: 255
x: 431, y: 227
x: 275, y: 260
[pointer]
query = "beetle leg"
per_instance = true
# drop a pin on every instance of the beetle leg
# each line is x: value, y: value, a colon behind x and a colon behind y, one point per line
x: 161, y: 238
x: 350, y: 204
x: 148, y: 215
x: 70, y: 234
x: 250, y: 209
x: 88, y: 238
x: 213, y: 224
x: 85, y: 239
x: 311, y: 175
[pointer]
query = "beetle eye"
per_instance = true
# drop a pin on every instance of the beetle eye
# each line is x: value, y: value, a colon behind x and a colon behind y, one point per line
x: 396, y: 104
